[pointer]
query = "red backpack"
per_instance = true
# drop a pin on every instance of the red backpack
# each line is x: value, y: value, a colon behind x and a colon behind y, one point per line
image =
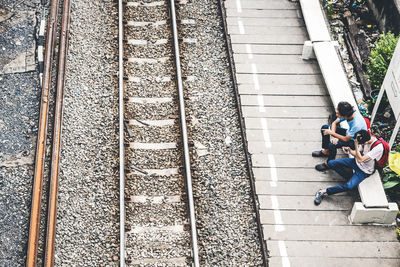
x: 368, y: 125
x: 381, y: 163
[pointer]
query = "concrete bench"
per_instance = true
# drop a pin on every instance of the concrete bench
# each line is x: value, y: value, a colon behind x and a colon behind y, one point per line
x: 374, y: 207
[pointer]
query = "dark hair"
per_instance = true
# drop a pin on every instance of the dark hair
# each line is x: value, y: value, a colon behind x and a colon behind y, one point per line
x: 345, y: 109
x: 362, y: 136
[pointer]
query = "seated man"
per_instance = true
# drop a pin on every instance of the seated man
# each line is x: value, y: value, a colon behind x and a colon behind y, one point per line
x: 337, y: 137
x: 363, y: 164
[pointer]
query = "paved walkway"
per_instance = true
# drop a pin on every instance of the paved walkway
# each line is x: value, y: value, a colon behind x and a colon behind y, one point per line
x: 284, y: 103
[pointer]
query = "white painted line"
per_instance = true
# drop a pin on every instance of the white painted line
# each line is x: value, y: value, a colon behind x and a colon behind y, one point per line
x: 146, y: 23
x: 152, y: 146
x: 156, y: 199
x: 137, y: 42
x: 279, y: 227
x: 241, y: 28
x: 274, y: 175
x: 158, y: 3
x: 190, y: 40
x: 283, y: 252
x: 249, y: 51
x: 278, y: 221
x: 149, y: 100
x: 134, y: 79
x: 159, y: 172
x: 238, y: 6
x: 260, y: 101
x: 158, y: 123
x: 274, y: 202
x: 147, y: 60
x: 267, y: 140
x: 155, y: 229
x: 255, y: 78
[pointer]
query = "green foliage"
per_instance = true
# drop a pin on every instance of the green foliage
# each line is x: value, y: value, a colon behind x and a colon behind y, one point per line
x: 380, y: 57
x: 390, y: 178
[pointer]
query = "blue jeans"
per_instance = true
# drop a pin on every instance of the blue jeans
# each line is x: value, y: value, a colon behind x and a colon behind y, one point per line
x: 332, y: 148
x: 355, y: 180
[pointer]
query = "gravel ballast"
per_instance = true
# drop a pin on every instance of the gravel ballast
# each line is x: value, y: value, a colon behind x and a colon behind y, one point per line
x: 87, y: 226
x: 87, y: 221
x: 228, y: 235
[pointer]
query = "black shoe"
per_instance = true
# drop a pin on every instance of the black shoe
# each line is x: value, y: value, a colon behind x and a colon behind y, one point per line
x: 321, y: 167
x: 318, y: 154
x: 319, y: 196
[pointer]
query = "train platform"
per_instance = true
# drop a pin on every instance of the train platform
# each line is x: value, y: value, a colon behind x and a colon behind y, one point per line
x: 284, y: 102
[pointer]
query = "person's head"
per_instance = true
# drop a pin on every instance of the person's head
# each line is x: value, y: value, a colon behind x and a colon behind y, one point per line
x: 362, y: 136
x: 344, y: 109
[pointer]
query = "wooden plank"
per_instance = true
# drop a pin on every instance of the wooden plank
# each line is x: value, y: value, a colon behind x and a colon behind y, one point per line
x: 331, y: 233
x: 275, y: 59
x: 263, y: 13
x: 254, y: 4
x: 285, y: 101
x: 286, y: 161
x: 279, y: 68
x: 283, y: 148
x: 280, y: 78
x: 291, y: 188
x: 292, y: 22
x: 335, y: 262
x: 292, y: 174
x: 267, y: 39
x: 337, y: 249
x: 287, y: 112
x: 307, y: 136
x: 283, y: 89
x: 268, y: 49
x: 286, y: 124
x: 306, y: 203
x: 267, y: 30
x: 309, y: 217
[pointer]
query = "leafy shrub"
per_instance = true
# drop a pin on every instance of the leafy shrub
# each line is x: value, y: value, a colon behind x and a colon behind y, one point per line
x: 380, y: 57
x: 390, y: 178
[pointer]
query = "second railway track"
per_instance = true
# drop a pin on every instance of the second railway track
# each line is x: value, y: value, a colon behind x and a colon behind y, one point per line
x: 159, y: 212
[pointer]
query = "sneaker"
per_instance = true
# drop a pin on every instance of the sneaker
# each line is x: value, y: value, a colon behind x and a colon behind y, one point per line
x: 319, y: 196
x: 321, y: 167
x: 318, y: 153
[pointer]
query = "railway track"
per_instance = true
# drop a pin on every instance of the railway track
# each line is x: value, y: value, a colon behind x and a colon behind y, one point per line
x: 157, y: 217
x: 36, y: 229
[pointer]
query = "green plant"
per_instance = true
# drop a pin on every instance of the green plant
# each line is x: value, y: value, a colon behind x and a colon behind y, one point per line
x: 380, y: 57
x: 390, y: 178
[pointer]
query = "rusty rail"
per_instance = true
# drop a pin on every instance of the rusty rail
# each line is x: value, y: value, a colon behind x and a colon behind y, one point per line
x: 31, y: 256
x: 57, y: 130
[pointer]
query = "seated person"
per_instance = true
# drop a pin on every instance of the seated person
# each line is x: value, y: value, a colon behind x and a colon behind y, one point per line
x: 337, y: 137
x: 363, y: 164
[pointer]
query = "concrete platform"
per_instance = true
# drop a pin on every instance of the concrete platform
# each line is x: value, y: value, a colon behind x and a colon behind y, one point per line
x: 284, y: 103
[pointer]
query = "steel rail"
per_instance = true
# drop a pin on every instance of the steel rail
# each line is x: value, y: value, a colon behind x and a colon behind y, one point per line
x: 57, y: 131
x: 121, y: 134
x: 31, y: 256
x: 184, y: 136
x: 243, y: 134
